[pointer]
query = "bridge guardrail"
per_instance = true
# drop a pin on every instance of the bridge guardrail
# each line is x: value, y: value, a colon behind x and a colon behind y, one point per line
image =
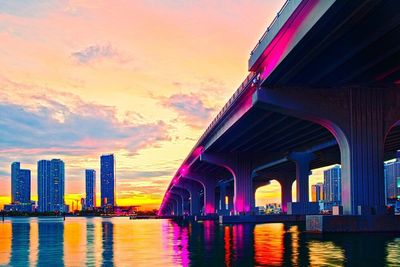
x: 233, y: 98
x: 272, y: 30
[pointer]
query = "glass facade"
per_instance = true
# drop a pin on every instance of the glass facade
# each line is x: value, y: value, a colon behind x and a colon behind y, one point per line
x: 20, y: 184
x: 51, y: 185
x: 90, y: 176
x: 317, y: 192
x: 333, y: 185
x: 107, y: 180
x: 392, y: 173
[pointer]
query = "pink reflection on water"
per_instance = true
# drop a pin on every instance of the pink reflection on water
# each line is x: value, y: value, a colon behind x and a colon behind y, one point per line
x: 209, y: 229
x: 180, y: 244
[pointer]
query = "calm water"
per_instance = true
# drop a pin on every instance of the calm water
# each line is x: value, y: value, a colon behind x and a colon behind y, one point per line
x: 124, y: 242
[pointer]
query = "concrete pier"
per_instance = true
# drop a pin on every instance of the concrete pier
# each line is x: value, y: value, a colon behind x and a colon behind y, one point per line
x: 352, y: 223
x: 278, y: 218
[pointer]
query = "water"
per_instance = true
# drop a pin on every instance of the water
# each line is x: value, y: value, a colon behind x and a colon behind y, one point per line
x: 123, y: 242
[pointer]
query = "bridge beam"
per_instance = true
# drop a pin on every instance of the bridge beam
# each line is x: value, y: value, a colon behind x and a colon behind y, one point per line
x: 359, y: 118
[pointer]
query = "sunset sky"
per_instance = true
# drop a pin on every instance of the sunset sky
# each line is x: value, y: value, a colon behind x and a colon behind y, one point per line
x: 140, y: 79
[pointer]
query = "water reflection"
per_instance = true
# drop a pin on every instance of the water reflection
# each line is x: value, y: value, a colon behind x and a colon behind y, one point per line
x: 108, y: 243
x: 51, y: 243
x: 90, y: 244
x: 122, y: 242
x: 20, y: 243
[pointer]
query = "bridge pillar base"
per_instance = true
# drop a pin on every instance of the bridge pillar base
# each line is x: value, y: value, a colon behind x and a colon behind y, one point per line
x: 352, y: 223
x: 209, y: 196
x: 302, y: 208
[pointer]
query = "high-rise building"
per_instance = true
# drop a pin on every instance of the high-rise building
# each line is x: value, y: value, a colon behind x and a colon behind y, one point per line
x: 51, y: 185
x: 90, y: 189
x: 333, y: 184
x: 317, y: 192
x: 57, y: 184
x: 392, y: 176
x: 20, y: 184
x: 43, y: 177
x: 107, y: 180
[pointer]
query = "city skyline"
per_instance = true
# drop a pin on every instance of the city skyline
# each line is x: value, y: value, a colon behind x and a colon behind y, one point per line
x: 191, y: 133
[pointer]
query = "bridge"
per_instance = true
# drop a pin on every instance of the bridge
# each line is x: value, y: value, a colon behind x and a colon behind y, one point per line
x: 323, y: 88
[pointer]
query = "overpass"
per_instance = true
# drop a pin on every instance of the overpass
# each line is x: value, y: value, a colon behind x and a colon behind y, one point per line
x: 322, y: 89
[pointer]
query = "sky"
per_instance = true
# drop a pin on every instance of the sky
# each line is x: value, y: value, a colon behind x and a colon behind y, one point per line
x: 140, y: 79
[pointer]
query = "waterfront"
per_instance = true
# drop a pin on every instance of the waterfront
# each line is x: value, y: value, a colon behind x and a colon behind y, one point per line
x: 98, y: 241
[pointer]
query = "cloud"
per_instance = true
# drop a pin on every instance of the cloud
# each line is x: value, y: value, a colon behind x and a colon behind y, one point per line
x: 95, y: 53
x: 56, y: 128
x: 29, y: 8
x: 190, y: 109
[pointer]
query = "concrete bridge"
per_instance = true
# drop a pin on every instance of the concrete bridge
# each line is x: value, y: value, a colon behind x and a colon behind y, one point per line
x: 323, y: 88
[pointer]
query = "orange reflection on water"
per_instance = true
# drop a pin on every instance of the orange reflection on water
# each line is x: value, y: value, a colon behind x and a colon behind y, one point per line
x: 393, y: 252
x: 325, y: 254
x: 5, y: 242
x: 34, y: 244
x: 227, y: 245
x: 268, y: 244
x: 295, y: 236
x: 74, y: 243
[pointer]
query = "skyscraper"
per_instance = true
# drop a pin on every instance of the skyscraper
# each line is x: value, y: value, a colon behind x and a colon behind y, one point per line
x: 51, y: 185
x: 107, y: 180
x: 392, y: 173
x: 317, y: 192
x: 57, y: 185
x: 90, y: 189
x: 43, y: 177
x: 20, y: 184
x: 333, y: 184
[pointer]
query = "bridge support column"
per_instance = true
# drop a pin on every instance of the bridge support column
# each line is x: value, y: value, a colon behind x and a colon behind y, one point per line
x: 184, y: 194
x: 209, y: 185
x: 359, y: 118
x: 193, y: 188
x: 230, y: 201
x: 286, y: 193
x: 222, y: 209
x: 302, y: 161
x: 178, y: 209
x: 194, y: 202
x: 174, y: 204
x: 209, y: 196
x: 241, y: 169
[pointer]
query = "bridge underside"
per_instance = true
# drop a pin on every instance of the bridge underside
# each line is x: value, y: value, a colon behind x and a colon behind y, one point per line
x: 333, y: 98
x: 355, y: 43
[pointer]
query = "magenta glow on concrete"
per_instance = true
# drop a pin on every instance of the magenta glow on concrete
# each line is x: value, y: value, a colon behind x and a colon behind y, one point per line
x: 280, y: 45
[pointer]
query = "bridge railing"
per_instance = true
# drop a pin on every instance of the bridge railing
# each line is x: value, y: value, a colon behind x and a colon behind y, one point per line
x: 239, y: 91
x: 233, y: 98
x: 272, y: 30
